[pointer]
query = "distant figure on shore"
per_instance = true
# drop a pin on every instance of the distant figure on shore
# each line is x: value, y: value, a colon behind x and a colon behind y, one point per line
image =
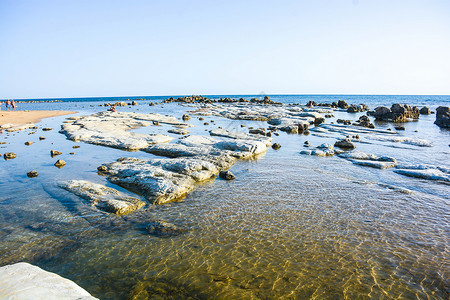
x: 8, y: 103
x: 13, y: 105
x: 310, y: 103
x: 112, y: 108
x: 1, y: 103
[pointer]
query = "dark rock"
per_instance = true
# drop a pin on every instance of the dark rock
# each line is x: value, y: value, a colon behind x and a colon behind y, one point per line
x: 32, y: 174
x: 47, y: 129
x: 397, y: 113
x: 72, y: 153
x: 41, y: 138
x: 54, y: 153
x: 75, y: 147
x: 186, y: 117
x: 151, y: 104
x: 206, y: 123
x: 60, y: 163
x: 342, y: 104
x: 443, y: 117
x: 425, y: 111
x: 200, y: 119
x: 227, y: 175
x: 102, y: 169
x: 156, y: 123
x: 345, y: 122
x: 134, y: 103
x: 399, y: 127
x: 276, y: 146
x: 345, y: 144
x: 163, y: 229
x: 28, y: 143
x: 9, y: 155
x: 261, y: 131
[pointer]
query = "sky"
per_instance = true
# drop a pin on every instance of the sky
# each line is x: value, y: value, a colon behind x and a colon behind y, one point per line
x: 51, y: 49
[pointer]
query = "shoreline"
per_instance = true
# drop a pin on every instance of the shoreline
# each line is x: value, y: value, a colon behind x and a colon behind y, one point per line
x: 29, y: 116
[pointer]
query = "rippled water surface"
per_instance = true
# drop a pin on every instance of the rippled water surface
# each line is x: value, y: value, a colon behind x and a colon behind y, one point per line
x: 289, y: 226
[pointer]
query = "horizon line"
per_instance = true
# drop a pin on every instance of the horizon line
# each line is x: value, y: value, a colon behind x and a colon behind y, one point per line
x: 231, y: 95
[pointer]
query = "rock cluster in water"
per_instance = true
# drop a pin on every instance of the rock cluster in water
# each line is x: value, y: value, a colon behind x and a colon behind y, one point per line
x: 397, y: 113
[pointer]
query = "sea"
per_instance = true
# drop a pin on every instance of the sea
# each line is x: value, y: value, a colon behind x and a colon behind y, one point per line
x: 289, y: 226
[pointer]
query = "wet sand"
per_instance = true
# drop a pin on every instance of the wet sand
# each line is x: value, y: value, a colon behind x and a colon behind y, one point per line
x: 29, y: 116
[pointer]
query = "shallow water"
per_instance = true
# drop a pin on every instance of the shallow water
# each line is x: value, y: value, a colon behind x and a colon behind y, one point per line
x: 289, y: 226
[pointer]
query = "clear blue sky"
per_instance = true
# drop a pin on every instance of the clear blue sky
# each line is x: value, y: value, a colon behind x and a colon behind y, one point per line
x: 125, y: 48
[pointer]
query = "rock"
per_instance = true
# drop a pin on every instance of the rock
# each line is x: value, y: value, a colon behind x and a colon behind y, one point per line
x: 156, y: 123
x: 162, y: 180
x: 113, y: 129
x: 32, y: 174
x: 47, y: 129
x: 443, y: 117
x: 186, y: 117
x: 276, y: 146
x: 54, y: 153
x: 227, y: 175
x: 60, y: 163
x: 28, y: 143
x: 342, y: 104
x: 164, y: 229
x: 41, y: 138
x: 357, y: 108
x: 325, y: 146
x: 180, y: 131
x: 72, y: 153
x: 345, y: 122
x: 134, y: 103
x: 344, y: 144
x: 398, y: 113
x: 75, y: 147
x: 9, y: 155
x: 428, y: 173
x: 260, y: 131
x: 399, y: 127
x: 369, y: 160
x: 25, y: 281
x: 104, y: 198
x: 102, y: 169
x: 425, y: 111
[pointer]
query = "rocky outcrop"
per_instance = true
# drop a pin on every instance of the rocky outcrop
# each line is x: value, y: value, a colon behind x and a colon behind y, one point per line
x: 443, y: 117
x: 25, y: 281
x: 112, y: 129
x: 104, y: 198
x: 357, y: 108
x: 397, y: 113
x: 9, y: 155
x: 342, y: 104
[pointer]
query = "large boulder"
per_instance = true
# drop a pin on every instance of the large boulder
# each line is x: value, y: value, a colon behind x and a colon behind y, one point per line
x: 443, y: 117
x: 345, y: 144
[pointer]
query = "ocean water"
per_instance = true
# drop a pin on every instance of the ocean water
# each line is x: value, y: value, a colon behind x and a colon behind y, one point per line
x: 289, y: 226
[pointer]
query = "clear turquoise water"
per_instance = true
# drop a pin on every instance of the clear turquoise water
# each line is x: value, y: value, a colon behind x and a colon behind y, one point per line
x: 290, y: 226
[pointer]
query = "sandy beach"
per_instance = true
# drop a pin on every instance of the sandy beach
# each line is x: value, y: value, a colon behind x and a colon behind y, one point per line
x: 29, y: 116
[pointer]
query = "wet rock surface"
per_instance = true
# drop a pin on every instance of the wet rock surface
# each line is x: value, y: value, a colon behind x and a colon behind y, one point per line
x: 397, y: 113
x: 443, y: 117
x: 103, y: 198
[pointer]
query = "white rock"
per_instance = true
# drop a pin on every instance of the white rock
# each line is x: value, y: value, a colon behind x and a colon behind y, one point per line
x: 25, y: 281
x: 104, y: 198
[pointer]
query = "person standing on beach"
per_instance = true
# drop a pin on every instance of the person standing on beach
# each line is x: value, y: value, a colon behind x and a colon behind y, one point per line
x: 8, y: 103
x: 13, y: 104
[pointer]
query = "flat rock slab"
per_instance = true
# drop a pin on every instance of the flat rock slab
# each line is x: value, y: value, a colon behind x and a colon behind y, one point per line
x: 104, y: 198
x: 25, y: 281
x: 429, y: 174
x: 112, y: 129
x: 160, y: 180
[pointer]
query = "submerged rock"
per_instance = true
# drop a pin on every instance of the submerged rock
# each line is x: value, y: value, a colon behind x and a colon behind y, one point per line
x: 164, y: 229
x: 227, y: 175
x: 104, y: 198
x: 25, y: 281
x: 369, y: 160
